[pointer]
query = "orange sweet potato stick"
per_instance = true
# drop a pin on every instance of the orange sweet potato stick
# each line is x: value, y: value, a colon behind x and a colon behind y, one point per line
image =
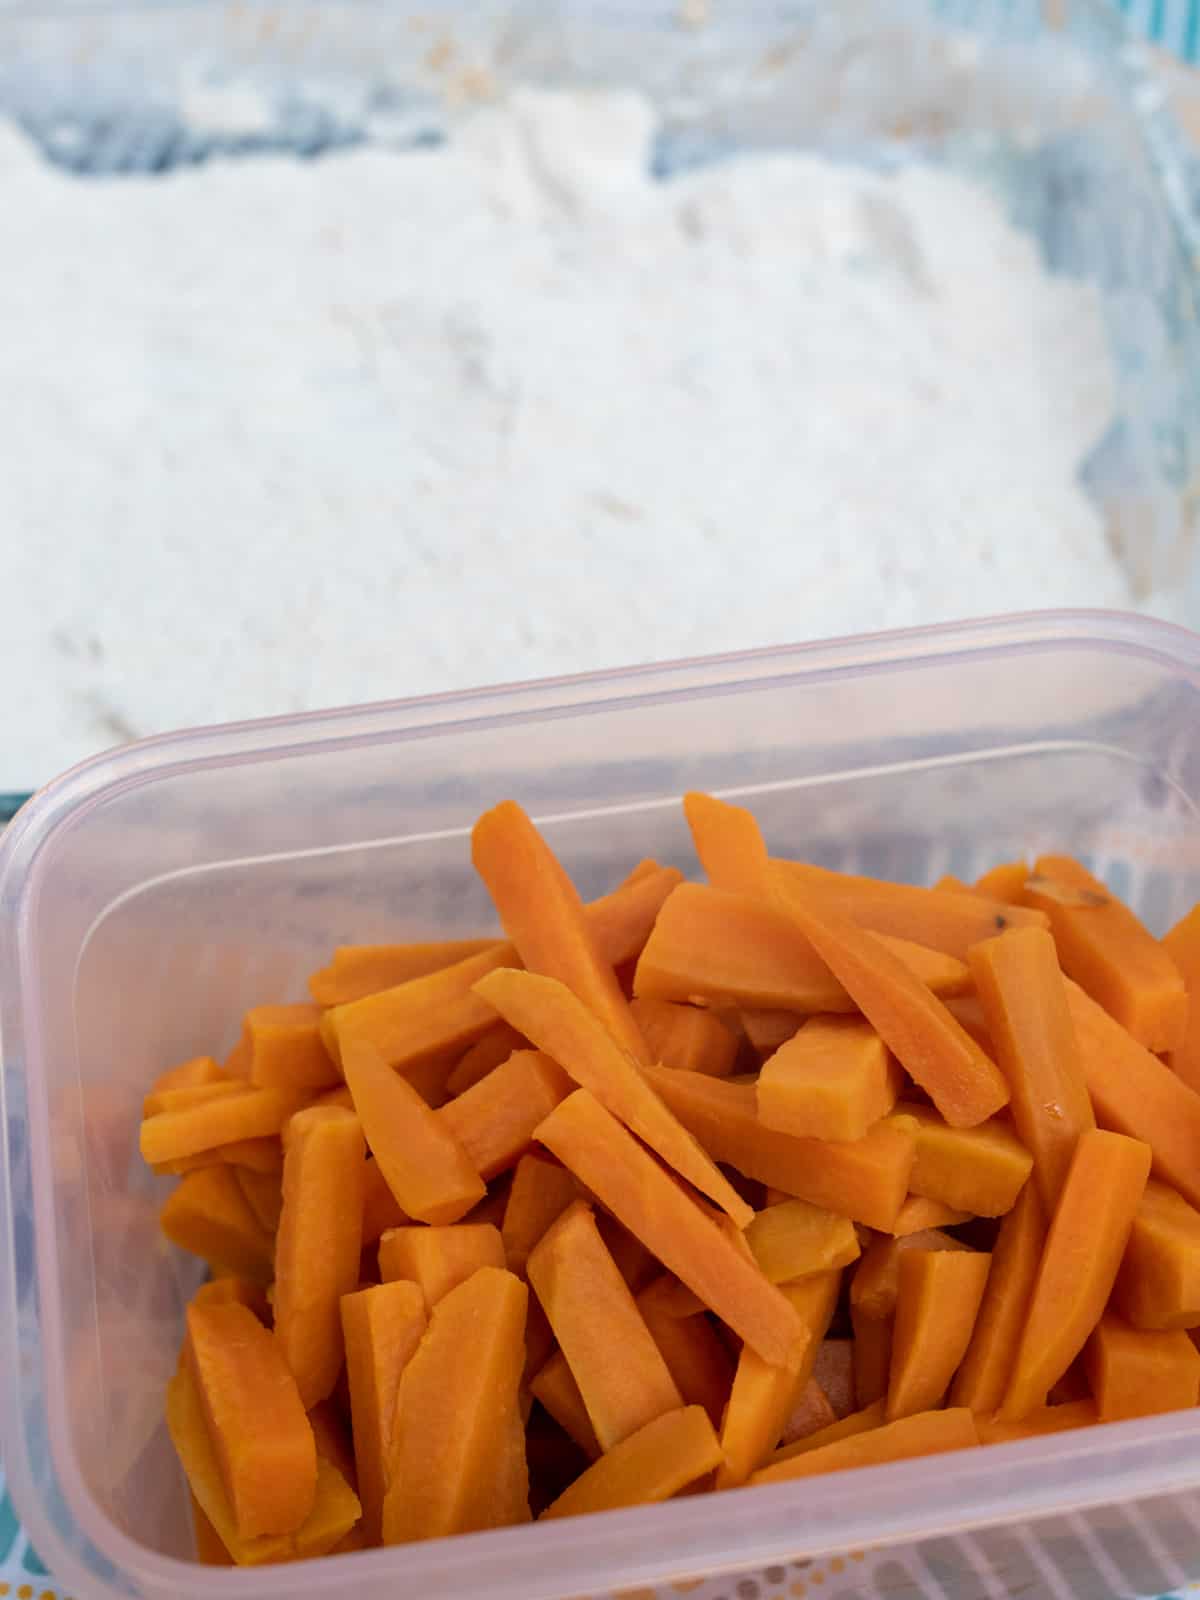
x: 964, y: 1083
x: 931, y: 917
x: 318, y: 1245
x: 1106, y: 950
x: 559, y: 1023
x: 208, y: 1214
x: 541, y: 1191
x: 1005, y: 883
x: 424, y: 1166
x: 286, y: 1049
x: 729, y: 843
x: 1084, y: 1246
x: 491, y: 1050
x: 593, y: 1314
x: 792, y: 1239
x: 689, y: 1038
x: 695, y: 1356
x: 439, y: 1259
x: 1158, y: 1286
x: 832, y: 1080
x: 1134, y: 1093
x: 494, y: 1121
x: 939, y: 1299
x: 255, y: 1418
x: 919, y: 1213
x: 545, y: 919
x: 192, y: 1074
x: 357, y: 970
x: 1024, y: 999
x: 1135, y: 1372
x: 554, y: 1387
x: 715, y: 948
x: 1182, y: 944
x: 251, y: 1114
x: 865, y: 1179
x: 656, y: 1209
x: 458, y: 1446
x: 862, y: 1421
x: 335, y: 1505
x: 650, y: 1466
x: 982, y: 1379
x: 1040, y: 1422
x: 926, y: 1434
x: 763, y: 1396
x: 980, y: 1170
x: 382, y: 1327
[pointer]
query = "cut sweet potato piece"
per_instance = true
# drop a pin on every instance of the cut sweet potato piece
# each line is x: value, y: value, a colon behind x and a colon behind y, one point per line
x: 862, y: 1421
x: 1024, y: 999
x: 192, y: 1074
x: 264, y: 1195
x: 439, y: 1259
x: 286, y: 1049
x: 1158, y: 1285
x: 833, y: 1080
x: 872, y: 1356
x: 1134, y: 1093
x: 792, y: 1239
x: 541, y: 1191
x: 544, y: 918
x: 494, y: 1121
x: 676, y: 1228
x: 335, y: 1506
x: 331, y: 1435
x: 919, y: 1213
x: 593, y: 1314
x: 650, y: 1466
x: 968, y: 1013
x: 764, y: 1395
x: 208, y: 1214
x: 981, y: 1170
x: 255, y: 1155
x: 939, y: 1299
x: 875, y: 1286
x: 982, y: 1378
x: 729, y: 843
x: 234, y: 1291
x: 319, y: 1243
x: 555, y: 1387
x: 866, y: 1180
x: 458, y: 1444
x: 1042, y: 1421
x: 558, y: 1022
x: 1005, y: 883
x: 188, y: 1096
x: 255, y: 1418
x: 210, y: 1550
x: 951, y: 923
x: 251, y: 1114
x: 695, y: 1356
x: 965, y: 1084
x: 1135, y: 1372
x: 489, y: 1051
x: 926, y: 1434
x: 1084, y: 1246
x: 710, y: 947
x: 1104, y: 947
x: 688, y: 1038
x: 425, y: 1167
x: 767, y: 1030
x: 382, y: 1327
x: 380, y: 1211
x: 357, y: 970
x: 1182, y: 944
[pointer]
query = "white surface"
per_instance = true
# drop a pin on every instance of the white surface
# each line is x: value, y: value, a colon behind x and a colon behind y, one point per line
x: 282, y: 435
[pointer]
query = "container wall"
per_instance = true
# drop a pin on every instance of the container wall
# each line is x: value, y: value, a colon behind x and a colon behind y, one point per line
x: 218, y: 874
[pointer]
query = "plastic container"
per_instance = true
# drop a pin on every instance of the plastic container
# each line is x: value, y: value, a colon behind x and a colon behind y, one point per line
x: 149, y: 896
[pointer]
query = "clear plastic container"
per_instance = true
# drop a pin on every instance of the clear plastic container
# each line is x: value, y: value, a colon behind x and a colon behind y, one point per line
x: 149, y: 896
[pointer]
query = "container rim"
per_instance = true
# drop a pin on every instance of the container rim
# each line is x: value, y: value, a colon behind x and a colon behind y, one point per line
x: 903, y: 1503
